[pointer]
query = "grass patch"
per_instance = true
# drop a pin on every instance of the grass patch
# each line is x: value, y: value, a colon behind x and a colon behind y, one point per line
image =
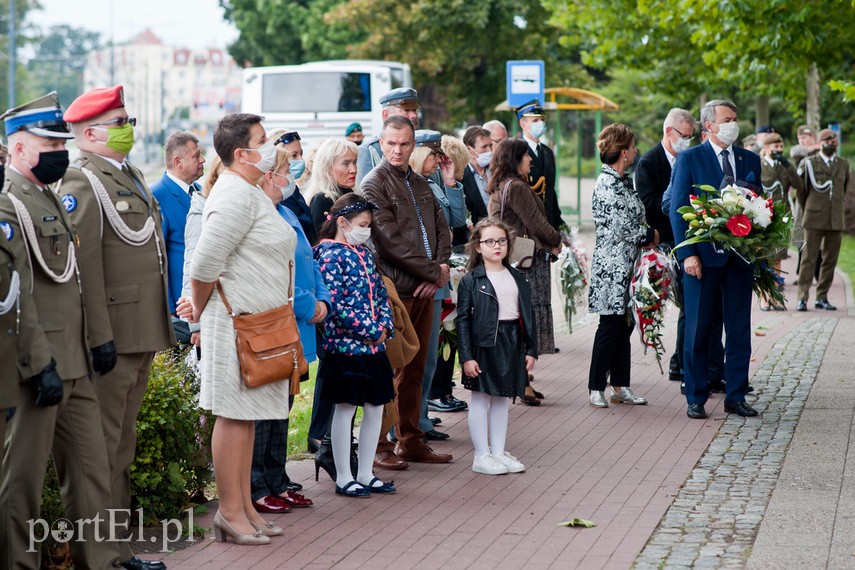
x: 846, y: 261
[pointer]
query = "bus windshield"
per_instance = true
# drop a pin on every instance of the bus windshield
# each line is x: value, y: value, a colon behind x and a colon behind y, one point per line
x: 316, y: 92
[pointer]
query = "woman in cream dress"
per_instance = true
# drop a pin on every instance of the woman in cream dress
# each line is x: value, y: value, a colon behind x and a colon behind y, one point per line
x: 248, y: 247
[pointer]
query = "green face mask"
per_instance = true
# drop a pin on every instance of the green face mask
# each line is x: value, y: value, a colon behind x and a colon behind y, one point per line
x: 120, y: 139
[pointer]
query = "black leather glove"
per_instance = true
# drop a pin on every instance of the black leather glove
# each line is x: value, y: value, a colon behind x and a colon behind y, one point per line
x: 104, y: 357
x: 779, y: 156
x: 48, y: 386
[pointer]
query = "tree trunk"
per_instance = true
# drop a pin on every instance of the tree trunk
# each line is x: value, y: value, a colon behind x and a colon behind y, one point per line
x: 761, y: 112
x: 812, y: 102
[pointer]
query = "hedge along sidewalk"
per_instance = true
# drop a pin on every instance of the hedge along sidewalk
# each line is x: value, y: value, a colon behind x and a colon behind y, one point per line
x: 713, y: 521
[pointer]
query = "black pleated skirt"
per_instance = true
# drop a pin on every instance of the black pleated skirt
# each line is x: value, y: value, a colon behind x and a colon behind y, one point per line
x: 356, y: 379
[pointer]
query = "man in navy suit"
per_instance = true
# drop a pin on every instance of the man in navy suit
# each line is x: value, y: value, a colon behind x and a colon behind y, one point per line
x: 185, y: 164
x: 708, y: 273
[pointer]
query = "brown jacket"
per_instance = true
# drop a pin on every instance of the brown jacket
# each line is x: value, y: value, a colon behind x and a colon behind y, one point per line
x: 778, y: 179
x: 524, y: 212
x: 404, y: 344
x: 823, y: 209
x: 395, y: 230
x: 125, y: 285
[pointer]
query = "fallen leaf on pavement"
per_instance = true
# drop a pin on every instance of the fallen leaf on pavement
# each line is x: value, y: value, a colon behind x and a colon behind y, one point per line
x: 578, y: 522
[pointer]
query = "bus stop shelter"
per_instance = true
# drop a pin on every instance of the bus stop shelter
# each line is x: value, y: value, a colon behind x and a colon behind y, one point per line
x: 572, y: 99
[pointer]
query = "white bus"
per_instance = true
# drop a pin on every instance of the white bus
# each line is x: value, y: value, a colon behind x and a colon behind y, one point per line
x: 320, y: 99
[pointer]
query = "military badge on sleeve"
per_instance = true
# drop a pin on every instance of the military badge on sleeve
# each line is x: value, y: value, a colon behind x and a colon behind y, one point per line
x: 7, y: 230
x: 70, y: 203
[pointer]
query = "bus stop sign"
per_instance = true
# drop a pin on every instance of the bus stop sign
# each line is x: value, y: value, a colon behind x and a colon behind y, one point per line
x: 525, y: 81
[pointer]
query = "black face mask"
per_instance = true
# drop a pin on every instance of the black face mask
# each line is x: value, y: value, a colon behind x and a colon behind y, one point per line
x: 51, y: 166
x: 829, y: 149
x: 2, y: 175
x: 357, y: 143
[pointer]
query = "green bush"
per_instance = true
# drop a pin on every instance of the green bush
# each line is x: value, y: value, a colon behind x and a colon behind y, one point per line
x: 173, y: 441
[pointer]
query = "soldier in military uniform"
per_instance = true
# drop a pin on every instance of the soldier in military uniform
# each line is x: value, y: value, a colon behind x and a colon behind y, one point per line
x: 403, y: 101
x: 777, y: 175
x: 825, y: 179
x: 58, y: 411
x: 123, y: 257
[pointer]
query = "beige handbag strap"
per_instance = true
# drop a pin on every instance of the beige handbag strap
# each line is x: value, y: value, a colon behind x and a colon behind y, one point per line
x: 290, y: 290
x: 504, y: 199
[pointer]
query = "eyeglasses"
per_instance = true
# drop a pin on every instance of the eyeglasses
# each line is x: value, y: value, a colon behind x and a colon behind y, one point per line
x: 493, y: 242
x: 687, y: 137
x: 119, y: 122
x: 288, y: 138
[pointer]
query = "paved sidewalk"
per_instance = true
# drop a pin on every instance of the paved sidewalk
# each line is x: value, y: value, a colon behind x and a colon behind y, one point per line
x: 622, y: 467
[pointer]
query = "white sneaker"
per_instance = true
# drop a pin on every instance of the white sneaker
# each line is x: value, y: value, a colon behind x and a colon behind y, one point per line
x: 488, y: 465
x: 512, y: 463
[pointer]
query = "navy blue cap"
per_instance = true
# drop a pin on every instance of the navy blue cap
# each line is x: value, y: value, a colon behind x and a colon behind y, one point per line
x: 531, y: 109
x: 430, y: 139
x: 42, y: 117
x: 404, y: 97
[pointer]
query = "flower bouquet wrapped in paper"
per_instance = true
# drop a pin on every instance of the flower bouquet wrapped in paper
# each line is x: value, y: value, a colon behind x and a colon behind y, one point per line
x: 751, y: 226
x: 572, y: 274
x: 448, y: 329
x: 651, y: 287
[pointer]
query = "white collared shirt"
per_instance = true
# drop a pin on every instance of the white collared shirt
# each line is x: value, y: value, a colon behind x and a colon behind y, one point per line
x: 770, y: 161
x: 181, y: 184
x: 481, y: 183
x: 531, y: 144
x: 114, y: 162
x: 672, y: 158
x: 828, y: 159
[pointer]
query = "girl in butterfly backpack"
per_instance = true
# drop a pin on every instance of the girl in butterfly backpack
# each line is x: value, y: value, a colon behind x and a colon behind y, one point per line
x: 355, y: 371
x: 496, y: 340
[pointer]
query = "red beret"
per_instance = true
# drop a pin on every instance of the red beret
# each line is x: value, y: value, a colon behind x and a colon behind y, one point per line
x: 93, y: 103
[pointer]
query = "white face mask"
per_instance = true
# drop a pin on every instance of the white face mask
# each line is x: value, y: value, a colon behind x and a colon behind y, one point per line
x: 484, y: 159
x: 288, y: 187
x: 357, y: 234
x: 268, y: 156
x: 680, y: 144
x: 728, y: 132
x: 537, y: 129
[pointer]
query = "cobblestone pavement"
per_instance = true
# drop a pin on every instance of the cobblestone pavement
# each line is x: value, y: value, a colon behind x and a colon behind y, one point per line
x: 715, y: 517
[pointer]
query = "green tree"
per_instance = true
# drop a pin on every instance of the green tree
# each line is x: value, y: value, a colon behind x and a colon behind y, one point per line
x: 24, y: 32
x: 284, y: 32
x: 59, y: 60
x: 700, y: 49
x: 458, y: 49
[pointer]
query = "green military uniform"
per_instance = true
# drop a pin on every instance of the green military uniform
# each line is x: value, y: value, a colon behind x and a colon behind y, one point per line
x: 123, y: 257
x: 71, y: 431
x: 777, y: 179
x: 10, y: 305
x: 821, y: 200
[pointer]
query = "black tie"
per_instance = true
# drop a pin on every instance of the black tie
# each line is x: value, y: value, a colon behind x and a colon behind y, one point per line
x: 725, y: 166
x: 193, y: 189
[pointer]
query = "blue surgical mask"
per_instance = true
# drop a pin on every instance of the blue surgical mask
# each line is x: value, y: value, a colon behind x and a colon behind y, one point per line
x: 537, y: 129
x: 297, y: 168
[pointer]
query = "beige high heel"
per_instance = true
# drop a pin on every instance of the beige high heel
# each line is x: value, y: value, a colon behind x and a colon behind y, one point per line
x: 222, y: 530
x: 269, y: 529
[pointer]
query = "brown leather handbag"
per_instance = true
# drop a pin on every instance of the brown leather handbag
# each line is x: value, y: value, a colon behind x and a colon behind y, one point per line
x: 268, y: 343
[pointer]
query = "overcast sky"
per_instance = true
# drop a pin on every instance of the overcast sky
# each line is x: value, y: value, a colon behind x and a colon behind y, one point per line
x: 189, y: 23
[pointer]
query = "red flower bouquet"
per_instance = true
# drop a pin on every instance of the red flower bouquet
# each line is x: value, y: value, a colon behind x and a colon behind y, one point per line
x: 650, y: 288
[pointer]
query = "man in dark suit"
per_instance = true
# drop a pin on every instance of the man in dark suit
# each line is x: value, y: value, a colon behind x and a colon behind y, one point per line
x: 476, y: 173
x: 708, y: 273
x: 652, y: 176
x: 185, y: 164
x: 542, y: 176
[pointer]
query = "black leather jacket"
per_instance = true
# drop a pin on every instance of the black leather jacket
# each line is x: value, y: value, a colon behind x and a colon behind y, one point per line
x: 478, y: 313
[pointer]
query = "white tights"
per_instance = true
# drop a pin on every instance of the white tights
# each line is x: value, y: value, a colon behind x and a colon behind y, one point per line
x: 369, y: 432
x: 486, y: 410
